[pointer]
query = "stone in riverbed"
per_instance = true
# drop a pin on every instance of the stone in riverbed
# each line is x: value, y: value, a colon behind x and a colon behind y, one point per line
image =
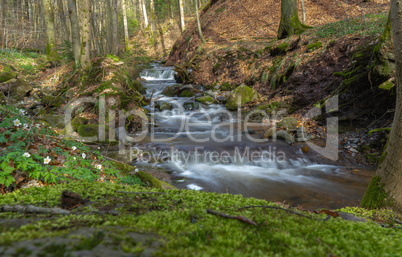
x: 283, y: 134
x: 205, y: 100
x: 163, y: 106
x: 169, y: 91
x: 191, y: 106
x: 269, y: 133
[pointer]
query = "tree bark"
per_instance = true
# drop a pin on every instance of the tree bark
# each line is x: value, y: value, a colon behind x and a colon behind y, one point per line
x: 115, y: 29
x: 385, y: 190
x: 85, y: 13
x: 144, y: 13
x: 75, y: 31
x: 290, y: 23
x: 51, y: 49
x: 123, y: 5
x: 199, y: 23
x: 182, y: 23
x: 62, y: 18
x: 303, y: 11
x: 152, y: 16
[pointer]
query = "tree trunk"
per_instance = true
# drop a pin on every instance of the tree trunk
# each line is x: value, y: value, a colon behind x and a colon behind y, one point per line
x: 86, y: 34
x: 199, y: 23
x: 386, y: 187
x: 75, y: 31
x: 62, y: 18
x: 290, y: 23
x: 303, y: 11
x: 152, y: 16
x: 123, y: 5
x: 144, y: 13
x: 51, y: 49
x: 115, y: 29
x: 182, y: 23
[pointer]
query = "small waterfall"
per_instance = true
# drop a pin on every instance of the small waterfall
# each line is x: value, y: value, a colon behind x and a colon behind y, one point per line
x: 158, y: 74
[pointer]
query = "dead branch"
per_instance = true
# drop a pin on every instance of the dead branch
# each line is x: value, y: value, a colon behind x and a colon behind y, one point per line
x: 33, y: 209
x: 240, y: 218
x: 139, y: 193
x: 280, y: 208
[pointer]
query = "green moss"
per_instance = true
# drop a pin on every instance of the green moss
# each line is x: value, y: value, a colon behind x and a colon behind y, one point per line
x: 379, y: 130
x: 314, y: 46
x: 205, y: 100
x: 375, y: 196
x: 6, y: 76
x: 50, y: 100
x: 240, y: 96
x: 187, y: 93
x: 387, y: 85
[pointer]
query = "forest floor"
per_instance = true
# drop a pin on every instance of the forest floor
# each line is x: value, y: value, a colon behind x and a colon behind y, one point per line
x: 112, y: 210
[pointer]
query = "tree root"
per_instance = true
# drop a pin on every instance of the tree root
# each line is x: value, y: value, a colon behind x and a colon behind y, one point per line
x: 33, y: 209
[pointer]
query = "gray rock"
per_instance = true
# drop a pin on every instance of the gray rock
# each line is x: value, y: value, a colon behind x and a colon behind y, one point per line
x: 269, y: 132
x: 283, y: 134
x: 163, y: 106
x: 191, y: 106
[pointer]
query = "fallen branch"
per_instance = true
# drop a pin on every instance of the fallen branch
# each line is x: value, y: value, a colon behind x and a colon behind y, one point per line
x: 33, y: 209
x: 139, y: 193
x: 240, y: 218
x: 280, y: 208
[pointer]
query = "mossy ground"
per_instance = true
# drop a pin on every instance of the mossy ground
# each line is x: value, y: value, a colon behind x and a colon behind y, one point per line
x: 178, y: 221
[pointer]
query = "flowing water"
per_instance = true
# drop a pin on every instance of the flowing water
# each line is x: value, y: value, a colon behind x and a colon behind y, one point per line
x: 208, y: 149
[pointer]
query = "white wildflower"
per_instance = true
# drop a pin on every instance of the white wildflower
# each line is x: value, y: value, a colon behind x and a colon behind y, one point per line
x: 47, y: 160
x: 84, y: 155
x: 136, y: 170
x: 17, y: 123
x: 25, y: 126
x: 37, y: 125
x: 27, y: 155
x: 74, y: 158
x: 99, y: 167
x: 74, y: 148
x: 22, y: 112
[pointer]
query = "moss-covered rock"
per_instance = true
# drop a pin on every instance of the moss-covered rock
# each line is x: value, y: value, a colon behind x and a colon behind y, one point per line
x: 288, y: 123
x: 240, y: 96
x: 375, y: 196
x: 6, y: 76
x: 269, y: 133
x: 92, y: 130
x: 187, y: 93
x: 55, y: 101
x: 55, y: 120
x: 205, y: 100
x: 284, y: 135
x: 169, y: 91
x: 163, y: 106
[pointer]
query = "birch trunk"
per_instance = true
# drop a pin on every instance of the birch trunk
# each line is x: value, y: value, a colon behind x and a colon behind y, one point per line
x: 182, y: 23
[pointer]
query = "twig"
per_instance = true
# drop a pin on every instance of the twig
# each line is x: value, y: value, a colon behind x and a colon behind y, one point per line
x: 280, y: 208
x: 139, y: 193
x: 240, y: 218
x: 33, y: 209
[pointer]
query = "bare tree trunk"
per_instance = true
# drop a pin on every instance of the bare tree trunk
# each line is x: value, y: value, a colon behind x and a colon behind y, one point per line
x: 62, y: 18
x: 115, y: 29
x: 144, y: 12
x: 182, y: 23
x: 386, y: 187
x: 199, y: 23
x: 85, y: 13
x: 75, y: 31
x: 152, y: 16
x: 51, y: 50
x: 303, y: 11
x: 123, y: 5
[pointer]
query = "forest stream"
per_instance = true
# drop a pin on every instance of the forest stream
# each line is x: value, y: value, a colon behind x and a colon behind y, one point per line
x: 206, y: 148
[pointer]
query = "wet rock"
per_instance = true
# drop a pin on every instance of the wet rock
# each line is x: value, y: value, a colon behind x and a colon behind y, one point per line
x: 240, y: 96
x: 169, y: 91
x: 269, y: 133
x: 302, y: 135
x: 288, y: 123
x: 186, y: 93
x: 163, y: 106
x: 284, y: 135
x: 205, y: 100
x: 249, y: 131
x: 221, y: 99
x: 191, y: 106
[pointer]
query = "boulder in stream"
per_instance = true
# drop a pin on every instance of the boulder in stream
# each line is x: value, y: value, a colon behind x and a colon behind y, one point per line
x: 163, y: 106
x: 283, y: 134
x: 191, y: 106
x: 288, y: 123
x: 205, y: 100
x: 240, y: 96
